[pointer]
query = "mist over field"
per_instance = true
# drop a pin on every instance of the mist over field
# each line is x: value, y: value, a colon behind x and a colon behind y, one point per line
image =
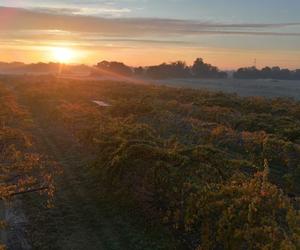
x: 267, y: 88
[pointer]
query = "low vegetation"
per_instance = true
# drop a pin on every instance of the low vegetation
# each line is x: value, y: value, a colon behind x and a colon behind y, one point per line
x: 23, y: 170
x: 218, y: 170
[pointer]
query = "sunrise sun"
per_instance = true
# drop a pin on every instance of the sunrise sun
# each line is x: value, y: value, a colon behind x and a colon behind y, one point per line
x: 63, y: 55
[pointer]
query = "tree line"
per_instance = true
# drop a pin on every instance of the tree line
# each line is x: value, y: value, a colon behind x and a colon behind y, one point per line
x: 267, y: 73
x: 199, y: 69
x: 178, y: 69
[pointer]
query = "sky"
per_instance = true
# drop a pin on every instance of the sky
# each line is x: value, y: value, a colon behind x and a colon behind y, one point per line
x: 226, y: 33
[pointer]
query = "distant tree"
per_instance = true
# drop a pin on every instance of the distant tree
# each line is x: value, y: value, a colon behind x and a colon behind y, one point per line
x: 267, y: 73
x: 203, y: 70
x: 139, y: 71
x: 275, y: 72
x: 177, y: 69
x: 285, y: 74
x: 247, y: 73
x: 296, y: 74
x: 114, y: 67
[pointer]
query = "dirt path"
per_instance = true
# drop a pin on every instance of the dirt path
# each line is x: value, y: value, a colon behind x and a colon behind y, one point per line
x: 77, y: 220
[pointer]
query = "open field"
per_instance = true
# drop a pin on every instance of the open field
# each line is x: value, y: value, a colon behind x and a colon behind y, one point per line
x: 266, y: 88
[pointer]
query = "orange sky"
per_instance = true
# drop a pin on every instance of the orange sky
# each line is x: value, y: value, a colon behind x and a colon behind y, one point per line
x: 224, y: 58
x: 32, y: 36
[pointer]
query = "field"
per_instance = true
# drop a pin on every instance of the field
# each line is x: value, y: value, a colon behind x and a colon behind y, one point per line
x: 155, y: 167
x: 267, y: 88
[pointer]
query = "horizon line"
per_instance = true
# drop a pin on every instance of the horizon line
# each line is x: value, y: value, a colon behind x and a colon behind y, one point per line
x: 144, y: 66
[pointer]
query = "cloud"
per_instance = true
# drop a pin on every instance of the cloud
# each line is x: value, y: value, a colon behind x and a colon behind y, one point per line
x: 108, y: 11
x: 17, y: 19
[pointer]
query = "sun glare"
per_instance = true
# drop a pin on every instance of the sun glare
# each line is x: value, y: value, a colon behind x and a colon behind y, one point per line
x: 63, y: 55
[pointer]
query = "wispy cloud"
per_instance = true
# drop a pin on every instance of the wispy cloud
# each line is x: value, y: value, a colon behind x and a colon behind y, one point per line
x: 67, y: 20
x: 109, y: 11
